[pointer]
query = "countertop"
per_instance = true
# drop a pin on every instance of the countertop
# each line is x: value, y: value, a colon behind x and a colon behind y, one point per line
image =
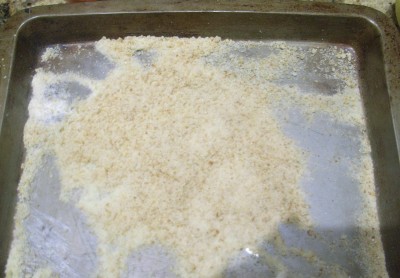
x: 10, y: 7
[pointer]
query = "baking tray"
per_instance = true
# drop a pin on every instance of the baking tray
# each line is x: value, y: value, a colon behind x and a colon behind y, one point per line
x: 370, y: 35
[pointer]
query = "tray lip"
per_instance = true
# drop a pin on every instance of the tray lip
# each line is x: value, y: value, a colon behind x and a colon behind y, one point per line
x: 16, y: 22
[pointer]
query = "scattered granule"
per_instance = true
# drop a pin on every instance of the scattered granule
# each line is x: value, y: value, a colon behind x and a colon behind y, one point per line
x: 368, y: 222
x: 279, y: 61
x: 44, y: 273
x: 19, y: 248
x: 345, y: 106
x: 51, y: 101
x: 384, y: 6
x: 50, y: 53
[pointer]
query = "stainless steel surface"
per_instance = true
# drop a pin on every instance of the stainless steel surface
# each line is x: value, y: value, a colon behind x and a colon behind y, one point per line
x: 371, y: 36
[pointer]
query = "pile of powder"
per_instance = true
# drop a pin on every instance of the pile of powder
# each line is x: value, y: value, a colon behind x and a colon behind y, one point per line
x: 172, y: 151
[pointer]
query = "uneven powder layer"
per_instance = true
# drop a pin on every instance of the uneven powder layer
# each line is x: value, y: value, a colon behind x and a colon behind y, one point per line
x: 287, y: 65
x: 178, y: 154
x: 180, y: 149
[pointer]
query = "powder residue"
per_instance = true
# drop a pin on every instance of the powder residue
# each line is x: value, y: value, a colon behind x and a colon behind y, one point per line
x: 44, y: 273
x: 50, y: 53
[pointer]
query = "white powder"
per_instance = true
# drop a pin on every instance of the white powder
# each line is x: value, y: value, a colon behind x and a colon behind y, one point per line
x: 50, y: 53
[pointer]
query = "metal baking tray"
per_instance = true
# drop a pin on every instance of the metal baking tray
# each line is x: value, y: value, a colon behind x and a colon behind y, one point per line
x: 370, y: 35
